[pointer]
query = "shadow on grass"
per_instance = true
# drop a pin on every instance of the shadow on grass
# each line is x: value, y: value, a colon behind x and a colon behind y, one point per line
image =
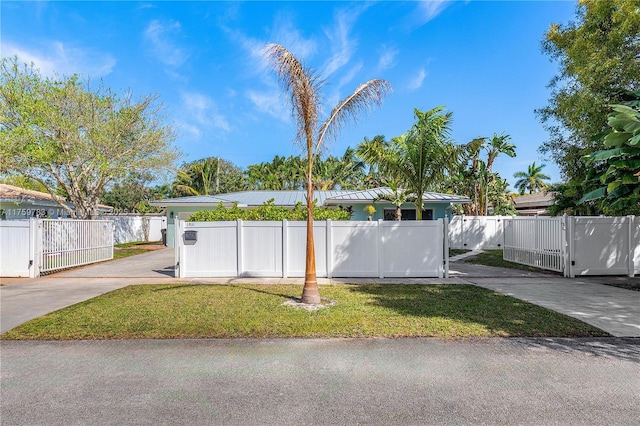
x: 471, y: 304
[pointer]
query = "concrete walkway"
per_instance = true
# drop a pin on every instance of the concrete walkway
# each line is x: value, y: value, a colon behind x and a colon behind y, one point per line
x: 615, y: 310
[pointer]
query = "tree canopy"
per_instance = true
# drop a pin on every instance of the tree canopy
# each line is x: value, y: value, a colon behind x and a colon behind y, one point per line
x: 615, y: 170
x: 74, y: 139
x: 598, y: 56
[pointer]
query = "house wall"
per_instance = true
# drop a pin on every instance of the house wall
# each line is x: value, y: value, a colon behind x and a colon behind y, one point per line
x: 12, y: 210
x: 440, y: 211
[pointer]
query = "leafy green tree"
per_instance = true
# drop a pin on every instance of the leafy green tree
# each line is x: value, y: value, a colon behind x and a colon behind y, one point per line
x: 302, y: 87
x: 281, y: 174
x: 532, y: 180
x: 131, y: 195
x: 617, y: 168
x: 23, y: 182
x: 208, y: 176
x: 76, y: 140
x: 346, y: 172
x: 598, y: 58
x: 417, y: 159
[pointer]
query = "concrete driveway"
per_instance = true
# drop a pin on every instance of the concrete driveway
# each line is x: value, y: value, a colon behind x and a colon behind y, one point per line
x: 24, y: 299
x: 322, y: 382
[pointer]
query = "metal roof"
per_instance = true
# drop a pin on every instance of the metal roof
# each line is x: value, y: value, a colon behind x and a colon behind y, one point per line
x: 291, y: 198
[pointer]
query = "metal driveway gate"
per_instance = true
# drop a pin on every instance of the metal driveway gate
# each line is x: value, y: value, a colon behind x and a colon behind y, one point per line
x: 29, y: 248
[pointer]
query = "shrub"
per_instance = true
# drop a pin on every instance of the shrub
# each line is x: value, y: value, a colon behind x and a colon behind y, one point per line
x: 267, y: 211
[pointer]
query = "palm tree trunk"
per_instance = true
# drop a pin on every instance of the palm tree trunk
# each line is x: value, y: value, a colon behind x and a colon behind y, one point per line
x: 310, y: 292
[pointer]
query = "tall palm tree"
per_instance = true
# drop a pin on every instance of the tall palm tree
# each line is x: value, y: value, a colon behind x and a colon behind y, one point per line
x: 302, y: 86
x: 531, y: 180
x: 417, y: 159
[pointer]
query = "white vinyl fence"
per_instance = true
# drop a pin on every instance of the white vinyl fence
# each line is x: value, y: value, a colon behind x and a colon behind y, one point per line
x: 30, y: 248
x: 575, y: 245
x: 536, y: 241
x: 277, y: 249
x: 128, y: 229
x: 477, y: 232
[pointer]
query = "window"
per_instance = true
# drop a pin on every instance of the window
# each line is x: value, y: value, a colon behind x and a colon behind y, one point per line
x: 408, y: 214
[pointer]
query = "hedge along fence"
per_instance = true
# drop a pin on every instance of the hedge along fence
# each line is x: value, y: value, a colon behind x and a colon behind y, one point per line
x: 268, y: 211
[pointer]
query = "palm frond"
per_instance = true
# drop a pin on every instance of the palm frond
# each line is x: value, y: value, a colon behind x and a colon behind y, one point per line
x: 370, y: 93
x: 301, y: 85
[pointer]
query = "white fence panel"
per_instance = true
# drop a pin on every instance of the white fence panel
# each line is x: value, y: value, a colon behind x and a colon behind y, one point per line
x: 261, y: 249
x: 354, y: 249
x: 128, y: 229
x: 477, y: 232
x: 17, y: 248
x: 412, y: 249
x: 603, y: 245
x: 296, y: 248
x: 278, y: 249
x: 214, y: 254
x: 535, y: 241
x: 70, y: 243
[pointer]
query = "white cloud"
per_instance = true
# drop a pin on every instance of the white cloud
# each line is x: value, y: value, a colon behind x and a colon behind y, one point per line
x: 350, y: 75
x: 270, y: 103
x: 418, y: 78
x: 57, y: 58
x: 200, y: 114
x: 161, y: 38
x: 387, y: 58
x: 286, y: 34
x: 342, y: 45
x: 429, y: 9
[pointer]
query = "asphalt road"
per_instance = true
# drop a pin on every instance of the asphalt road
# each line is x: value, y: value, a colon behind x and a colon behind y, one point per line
x: 324, y: 381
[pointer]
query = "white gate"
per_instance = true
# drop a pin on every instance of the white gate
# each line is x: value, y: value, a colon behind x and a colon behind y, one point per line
x: 477, y: 232
x: 603, y: 245
x: 536, y: 241
x: 17, y: 245
x: 69, y: 243
x: 31, y: 247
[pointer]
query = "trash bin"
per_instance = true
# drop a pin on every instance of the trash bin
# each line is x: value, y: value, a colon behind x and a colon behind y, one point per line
x: 164, y: 236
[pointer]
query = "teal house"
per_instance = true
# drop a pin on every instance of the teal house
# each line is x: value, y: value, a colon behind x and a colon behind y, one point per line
x: 436, y: 205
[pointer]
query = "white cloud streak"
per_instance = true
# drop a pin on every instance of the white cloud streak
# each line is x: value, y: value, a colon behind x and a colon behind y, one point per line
x: 416, y: 81
x: 342, y: 45
x: 161, y: 38
x: 200, y: 114
x: 56, y: 58
x: 429, y: 9
x: 387, y: 58
x: 270, y: 103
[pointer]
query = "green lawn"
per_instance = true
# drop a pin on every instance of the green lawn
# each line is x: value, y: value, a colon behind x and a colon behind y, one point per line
x: 224, y: 311
x: 129, y: 249
x: 494, y: 258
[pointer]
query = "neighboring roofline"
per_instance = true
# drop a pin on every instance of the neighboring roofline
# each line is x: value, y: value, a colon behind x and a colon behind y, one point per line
x: 343, y: 197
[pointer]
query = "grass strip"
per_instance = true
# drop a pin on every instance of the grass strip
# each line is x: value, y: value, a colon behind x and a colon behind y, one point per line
x: 256, y: 311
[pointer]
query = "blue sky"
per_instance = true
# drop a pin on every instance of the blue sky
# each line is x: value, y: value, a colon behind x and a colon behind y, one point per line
x: 482, y: 60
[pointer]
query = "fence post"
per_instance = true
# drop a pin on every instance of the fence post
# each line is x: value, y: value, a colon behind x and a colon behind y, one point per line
x: 329, y: 250
x: 570, y: 236
x: 632, y: 246
x: 285, y: 248
x: 380, y: 251
x: 446, y: 247
x: 239, y: 246
x: 179, y: 252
